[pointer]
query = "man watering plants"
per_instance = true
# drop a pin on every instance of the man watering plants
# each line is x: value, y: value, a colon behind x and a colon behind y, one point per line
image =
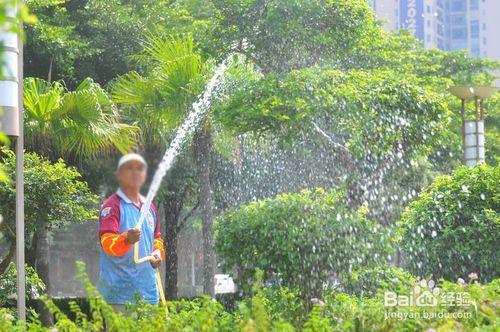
x: 120, y: 277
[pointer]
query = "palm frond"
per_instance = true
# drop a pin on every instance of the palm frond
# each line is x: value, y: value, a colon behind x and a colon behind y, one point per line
x: 80, y: 123
x: 132, y: 89
x: 164, y: 49
x: 42, y: 100
x: 159, y: 99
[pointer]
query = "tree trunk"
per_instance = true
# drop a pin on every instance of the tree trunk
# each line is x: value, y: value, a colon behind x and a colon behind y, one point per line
x: 4, y: 264
x: 202, y: 149
x: 172, y: 210
x: 43, y: 270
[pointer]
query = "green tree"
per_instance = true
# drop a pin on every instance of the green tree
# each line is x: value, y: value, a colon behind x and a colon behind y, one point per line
x: 284, y: 35
x: 96, y: 38
x: 73, y: 124
x: 375, y: 148
x: 54, y: 196
x: 370, y: 120
x: 8, y: 286
x: 52, y: 44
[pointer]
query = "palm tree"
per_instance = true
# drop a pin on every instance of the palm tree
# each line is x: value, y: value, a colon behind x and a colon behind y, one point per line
x: 175, y: 73
x: 83, y: 123
x: 158, y: 100
x: 73, y: 125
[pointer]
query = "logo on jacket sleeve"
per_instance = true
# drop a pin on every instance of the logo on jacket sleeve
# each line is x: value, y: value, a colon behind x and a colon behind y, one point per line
x: 105, y: 211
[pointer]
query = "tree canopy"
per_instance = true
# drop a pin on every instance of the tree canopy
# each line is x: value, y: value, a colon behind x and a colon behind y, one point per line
x: 55, y: 195
x: 74, y: 40
x: 285, y: 35
x: 74, y: 124
x: 361, y: 112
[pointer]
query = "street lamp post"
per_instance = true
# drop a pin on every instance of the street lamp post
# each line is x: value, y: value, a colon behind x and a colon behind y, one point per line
x: 11, y: 122
x: 473, y: 143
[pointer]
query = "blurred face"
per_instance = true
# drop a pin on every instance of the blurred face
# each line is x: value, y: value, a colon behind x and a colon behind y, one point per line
x: 132, y: 175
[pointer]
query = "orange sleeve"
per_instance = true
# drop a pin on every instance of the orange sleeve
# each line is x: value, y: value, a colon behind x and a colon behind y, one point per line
x: 158, y: 245
x: 114, y: 244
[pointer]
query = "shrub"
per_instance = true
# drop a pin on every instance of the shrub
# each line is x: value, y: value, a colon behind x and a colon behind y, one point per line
x: 368, y: 282
x: 350, y: 313
x: 8, y: 286
x: 335, y: 312
x: 300, y: 240
x: 54, y: 196
x: 452, y: 229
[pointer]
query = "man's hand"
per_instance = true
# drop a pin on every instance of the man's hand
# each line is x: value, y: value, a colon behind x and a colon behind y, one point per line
x: 156, y: 262
x: 133, y: 235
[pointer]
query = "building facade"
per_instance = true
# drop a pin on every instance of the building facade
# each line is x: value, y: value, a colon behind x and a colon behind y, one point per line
x: 451, y: 25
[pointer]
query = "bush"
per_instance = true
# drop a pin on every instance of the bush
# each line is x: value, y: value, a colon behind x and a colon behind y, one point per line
x: 350, y: 313
x: 452, y: 229
x: 300, y: 240
x: 8, y: 286
x: 54, y: 196
x: 335, y: 312
x: 368, y: 282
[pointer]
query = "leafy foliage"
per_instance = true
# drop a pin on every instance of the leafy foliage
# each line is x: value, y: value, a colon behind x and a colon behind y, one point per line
x: 367, y: 282
x: 52, y: 44
x: 335, y: 312
x: 96, y: 38
x: 158, y: 99
x: 350, y: 313
x: 377, y: 109
x: 452, y: 229
x: 54, y: 196
x: 22, y: 15
x: 300, y: 240
x: 8, y: 285
x: 79, y: 123
x: 285, y: 35
x: 403, y: 53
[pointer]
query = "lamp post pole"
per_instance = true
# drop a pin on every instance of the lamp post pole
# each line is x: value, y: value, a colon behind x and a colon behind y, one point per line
x: 21, y: 273
x: 473, y: 143
x: 11, y: 121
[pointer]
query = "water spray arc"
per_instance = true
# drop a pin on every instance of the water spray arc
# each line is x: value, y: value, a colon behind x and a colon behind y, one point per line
x: 184, y: 132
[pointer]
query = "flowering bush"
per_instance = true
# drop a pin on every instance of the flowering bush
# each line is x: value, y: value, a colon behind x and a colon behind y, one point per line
x: 452, y: 228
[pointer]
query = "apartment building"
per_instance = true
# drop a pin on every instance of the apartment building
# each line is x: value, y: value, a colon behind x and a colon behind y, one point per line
x: 472, y: 25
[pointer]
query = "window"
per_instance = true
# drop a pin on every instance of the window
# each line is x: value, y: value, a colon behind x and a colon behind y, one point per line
x: 474, y: 29
x: 458, y: 20
x: 474, y: 47
x: 440, y: 30
x: 458, y: 5
x: 459, y: 33
x: 428, y: 9
x: 428, y: 23
x: 484, y: 41
x: 484, y: 26
x: 474, y: 4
